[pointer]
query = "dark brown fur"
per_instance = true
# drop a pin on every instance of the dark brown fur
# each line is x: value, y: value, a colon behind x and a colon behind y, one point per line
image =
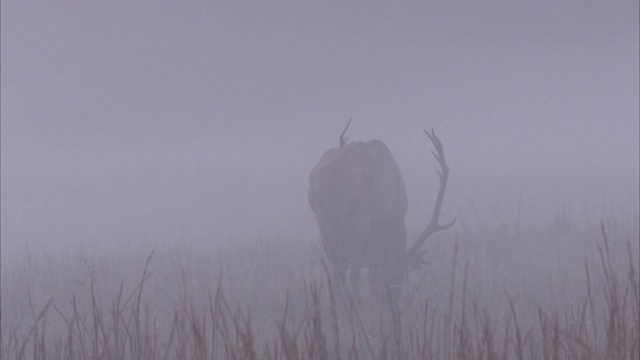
x: 358, y: 196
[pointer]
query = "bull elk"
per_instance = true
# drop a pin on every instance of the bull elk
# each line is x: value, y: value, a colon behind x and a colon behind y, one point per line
x: 359, y: 199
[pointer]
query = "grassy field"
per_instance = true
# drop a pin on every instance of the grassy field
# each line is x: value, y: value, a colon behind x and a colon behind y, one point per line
x: 563, y: 292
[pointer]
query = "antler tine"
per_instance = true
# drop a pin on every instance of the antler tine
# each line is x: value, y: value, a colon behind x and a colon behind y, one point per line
x: 438, y: 145
x: 343, y: 140
x: 443, y: 174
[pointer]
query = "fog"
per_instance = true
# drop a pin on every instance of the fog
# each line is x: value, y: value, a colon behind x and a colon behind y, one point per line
x: 161, y: 124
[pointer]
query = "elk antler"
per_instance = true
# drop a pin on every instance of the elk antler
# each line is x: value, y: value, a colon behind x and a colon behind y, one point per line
x: 343, y: 140
x: 415, y: 256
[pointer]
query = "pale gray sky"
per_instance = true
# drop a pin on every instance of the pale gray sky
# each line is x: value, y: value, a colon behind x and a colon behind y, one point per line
x: 201, y: 120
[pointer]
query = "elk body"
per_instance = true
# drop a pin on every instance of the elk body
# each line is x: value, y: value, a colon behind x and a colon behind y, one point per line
x: 358, y: 196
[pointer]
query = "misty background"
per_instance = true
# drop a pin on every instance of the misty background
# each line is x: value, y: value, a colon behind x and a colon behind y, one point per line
x: 162, y: 123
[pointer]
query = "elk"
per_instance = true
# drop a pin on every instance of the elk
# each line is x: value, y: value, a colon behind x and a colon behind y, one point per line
x: 357, y: 194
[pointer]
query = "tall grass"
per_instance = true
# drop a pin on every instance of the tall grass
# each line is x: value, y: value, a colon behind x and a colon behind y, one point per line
x: 313, y: 321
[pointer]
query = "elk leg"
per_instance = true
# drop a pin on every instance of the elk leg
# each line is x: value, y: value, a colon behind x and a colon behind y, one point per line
x: 360, y: 220
x: 387, y: 243
x: 339, y: 263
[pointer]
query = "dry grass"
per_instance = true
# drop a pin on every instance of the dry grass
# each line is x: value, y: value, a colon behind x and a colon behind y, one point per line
x: 304, y: 318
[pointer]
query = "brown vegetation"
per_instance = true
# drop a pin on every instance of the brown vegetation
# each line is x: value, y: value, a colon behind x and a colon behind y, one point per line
x: 308, y: 320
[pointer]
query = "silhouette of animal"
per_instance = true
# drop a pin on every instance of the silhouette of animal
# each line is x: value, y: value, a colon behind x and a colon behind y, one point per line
x: 359, y: 199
